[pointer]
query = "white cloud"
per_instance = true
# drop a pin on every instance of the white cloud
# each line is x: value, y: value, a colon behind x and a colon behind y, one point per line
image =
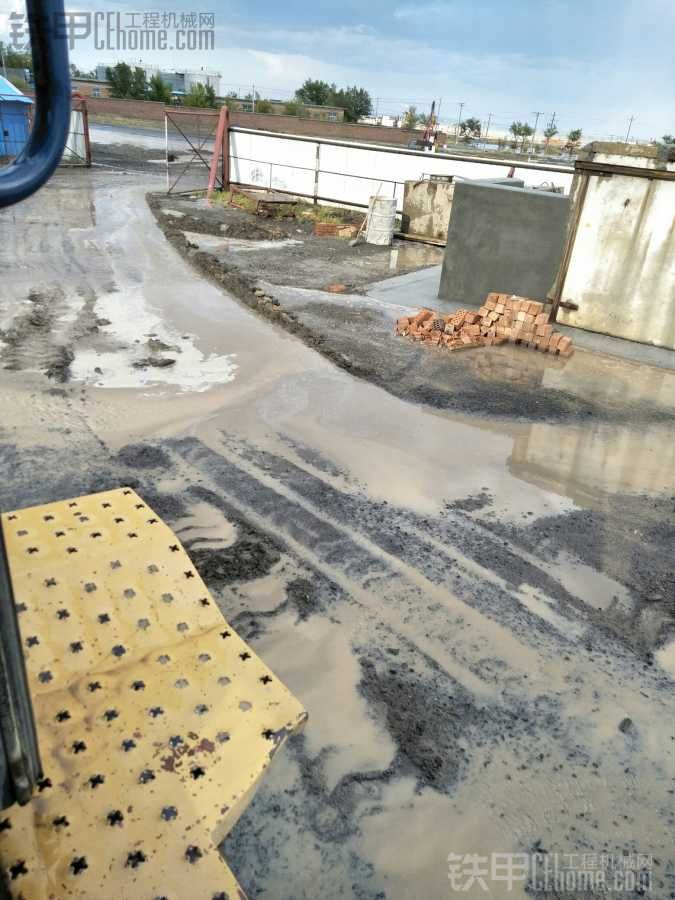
x: 423, y: 12
x: 595, y: 86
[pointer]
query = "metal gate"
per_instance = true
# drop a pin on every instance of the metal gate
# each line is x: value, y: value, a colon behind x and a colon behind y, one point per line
x: 77, y: 151
x: 16, y: 121
x: 191, y: 139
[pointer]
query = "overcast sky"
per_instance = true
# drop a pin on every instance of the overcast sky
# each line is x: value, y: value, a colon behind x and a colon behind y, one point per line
x: 592, y: 62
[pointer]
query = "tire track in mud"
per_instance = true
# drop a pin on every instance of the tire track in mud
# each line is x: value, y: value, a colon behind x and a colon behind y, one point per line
x: 462, y: 716
x: 542, y: 764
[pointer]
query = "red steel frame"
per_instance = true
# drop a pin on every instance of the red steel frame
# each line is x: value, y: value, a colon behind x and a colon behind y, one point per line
x: 221, y: 148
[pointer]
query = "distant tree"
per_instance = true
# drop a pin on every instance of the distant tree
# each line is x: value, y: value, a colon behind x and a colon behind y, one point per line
x: 516, y: 129
x: 200, y: 95
x: 668, y: 139
x: 573, y: 140
x: 138, y: 84
x: 411, y: 118
x: 294, y: 108
x: 470, y: 130
x: 355, y: 101
x: 126, y: 83
x: 315, y: 93
x: 15, y: 59
x: 158, y: 89
x: 81, y: 73
x: 230, y: 100
x: 522, y: 131
x: 263, y: 106
x: 19, y: 83
x: 549, y: 133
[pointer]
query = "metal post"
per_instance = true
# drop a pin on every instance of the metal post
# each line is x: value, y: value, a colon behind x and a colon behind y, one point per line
x: 487, y: 130
x: 85, y: 126
x: 166, y: 150
x: 225, y: 165
x: 459, y: 119
x: 534, y: 133
x: 317, y: 169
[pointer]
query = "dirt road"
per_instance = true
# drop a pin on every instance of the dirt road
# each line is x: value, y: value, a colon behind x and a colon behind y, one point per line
x: 475, y: 611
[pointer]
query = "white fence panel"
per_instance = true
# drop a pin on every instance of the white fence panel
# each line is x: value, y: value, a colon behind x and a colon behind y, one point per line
x: 350, y: 173
x: 278, y: 163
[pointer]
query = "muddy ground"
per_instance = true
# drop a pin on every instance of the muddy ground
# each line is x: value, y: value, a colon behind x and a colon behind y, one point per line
x: 286, y: 280
x: 474, y: 600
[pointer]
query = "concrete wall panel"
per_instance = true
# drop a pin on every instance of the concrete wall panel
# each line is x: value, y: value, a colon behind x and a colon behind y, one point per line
x: 502, y: 239
x: 622, y: 266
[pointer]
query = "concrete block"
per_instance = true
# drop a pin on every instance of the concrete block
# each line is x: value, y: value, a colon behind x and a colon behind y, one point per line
x: 502, y: 239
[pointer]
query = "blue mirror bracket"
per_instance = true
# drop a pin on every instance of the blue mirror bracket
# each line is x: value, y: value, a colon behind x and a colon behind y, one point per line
x: 51, y: 121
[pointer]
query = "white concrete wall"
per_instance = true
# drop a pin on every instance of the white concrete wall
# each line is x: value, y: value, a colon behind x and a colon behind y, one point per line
x: 622, y: 266
x: 351, y: 172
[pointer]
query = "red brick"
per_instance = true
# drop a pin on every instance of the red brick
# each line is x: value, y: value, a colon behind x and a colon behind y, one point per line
x: 422, y: 316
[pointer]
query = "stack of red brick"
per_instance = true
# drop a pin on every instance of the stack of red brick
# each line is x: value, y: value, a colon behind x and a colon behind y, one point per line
x: 502, y: 318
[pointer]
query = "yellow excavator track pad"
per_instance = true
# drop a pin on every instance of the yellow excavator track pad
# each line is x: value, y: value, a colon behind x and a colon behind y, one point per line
x: 155, y: 720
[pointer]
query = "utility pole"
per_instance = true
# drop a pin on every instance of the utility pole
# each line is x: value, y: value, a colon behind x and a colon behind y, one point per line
x: 534, y: 133
x: 459, y: 119
x: 253, y: 96
x: 486, y: 136
x: 630, y: 125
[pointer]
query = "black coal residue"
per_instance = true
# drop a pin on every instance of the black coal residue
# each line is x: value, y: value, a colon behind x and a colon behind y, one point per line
x: 170, y: 507
x: 144, y: 456
x: 435, y: 723
x: 251, y: 556
x: 307, y: 596
x: 333, y: 813
x: 471, y: 503
x: 304, y: 596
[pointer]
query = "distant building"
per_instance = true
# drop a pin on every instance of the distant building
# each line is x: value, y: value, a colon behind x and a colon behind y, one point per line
x: 15, y: 111
x: 180, y: 83
x: 91, y: 87
x: 386, y: 121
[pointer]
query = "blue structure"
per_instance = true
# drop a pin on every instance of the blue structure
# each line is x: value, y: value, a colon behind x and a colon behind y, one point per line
x: 14, y: 119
